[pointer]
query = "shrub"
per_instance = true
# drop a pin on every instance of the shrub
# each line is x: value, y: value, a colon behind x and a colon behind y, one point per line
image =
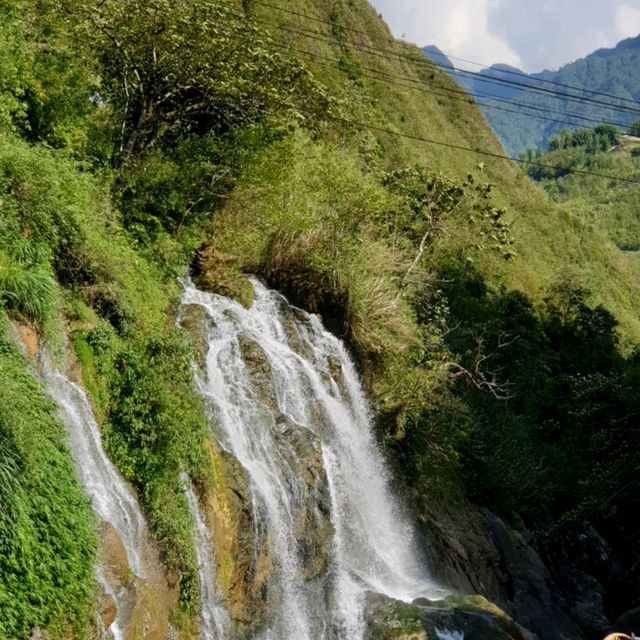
x: 47, y: 537
x: 154, y: 429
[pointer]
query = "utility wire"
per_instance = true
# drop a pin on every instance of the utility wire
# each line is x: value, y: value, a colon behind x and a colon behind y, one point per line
x: 471, y: 150
x: 464, y: 96
x: 490, y: 154
x: 441, y: 143
x: 452, y: 57
x: 427, y: 64
x: 520, y: 74
x: 385, y: 53
x: 506, y: 71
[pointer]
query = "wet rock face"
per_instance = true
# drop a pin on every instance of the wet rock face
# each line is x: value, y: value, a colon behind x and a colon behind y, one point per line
x: 559, y: 590
x: 259, y: 369
x: 197, y: 324
x: 473, y: 551
x: 301, y: 452
x: 30, y: 339
x: 243, y: 563
x: 313, y: 528
x: 148, y: 604
x: 627, y: 623
x: 586, y: 562
x: 107, y: 610
x: 456, y: 617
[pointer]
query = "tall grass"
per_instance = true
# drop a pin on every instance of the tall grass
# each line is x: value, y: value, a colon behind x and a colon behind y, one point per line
x: 47, y: 537
x: 28, y: 288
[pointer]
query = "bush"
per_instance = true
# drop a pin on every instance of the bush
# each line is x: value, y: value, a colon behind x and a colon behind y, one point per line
x: 154, y: 429
x: 634, y: 129
x: 47, y: 538
x: 27, y: 287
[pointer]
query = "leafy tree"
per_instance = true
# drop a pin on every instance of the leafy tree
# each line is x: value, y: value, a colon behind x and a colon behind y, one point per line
x: 634, y: 129
x: 174, y: 69
x: 431, y: 206
x: 14, y: 64
x: 600, y: 138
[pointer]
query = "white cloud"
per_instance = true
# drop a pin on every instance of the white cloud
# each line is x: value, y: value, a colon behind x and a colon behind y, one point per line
x: 458, y: 27
x: 627, y: 20
x: 530, y: 34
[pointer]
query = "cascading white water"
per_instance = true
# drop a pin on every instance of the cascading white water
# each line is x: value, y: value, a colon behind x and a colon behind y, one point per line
x: 214, y: 620
x: 301, y: 383
x: 111, y: 498
x: 446, y: 634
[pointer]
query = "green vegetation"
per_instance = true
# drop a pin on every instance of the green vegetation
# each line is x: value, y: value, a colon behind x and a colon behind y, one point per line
x: 634, y: 129
x: 47, y: 538
x: 153, y: 429
x: 214, y: 144
x: 610, y: 208
x: 550, y: 427
x: 549, y: 433
x: 605, y: 71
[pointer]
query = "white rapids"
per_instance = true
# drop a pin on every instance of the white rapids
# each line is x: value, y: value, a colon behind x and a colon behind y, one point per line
x: 214, y: 619
x: 314, y: 391
x: 112, y: 499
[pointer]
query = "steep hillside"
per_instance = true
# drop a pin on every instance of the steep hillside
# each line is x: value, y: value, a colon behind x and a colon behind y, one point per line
x: 548, y: 242
x: 145, y: 143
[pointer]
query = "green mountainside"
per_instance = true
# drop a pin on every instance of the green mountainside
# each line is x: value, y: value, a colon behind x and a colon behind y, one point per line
x: 494, y: 321
x: 609, y: 72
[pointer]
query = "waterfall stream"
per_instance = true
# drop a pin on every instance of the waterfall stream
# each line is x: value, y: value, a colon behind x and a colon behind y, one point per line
x: 285, y: 400
x: 111, y: 498
x: 214, y: 620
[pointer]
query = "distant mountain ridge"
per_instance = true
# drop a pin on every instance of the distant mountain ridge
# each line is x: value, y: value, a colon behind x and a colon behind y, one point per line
x: 608, y: 71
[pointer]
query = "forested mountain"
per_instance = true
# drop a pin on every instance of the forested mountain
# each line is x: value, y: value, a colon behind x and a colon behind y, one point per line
x: 607, y: 71
x: 444, y: 401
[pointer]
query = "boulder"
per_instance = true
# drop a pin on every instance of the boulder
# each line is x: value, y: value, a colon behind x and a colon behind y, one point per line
x: 472, y: 550
x: 454, y: 618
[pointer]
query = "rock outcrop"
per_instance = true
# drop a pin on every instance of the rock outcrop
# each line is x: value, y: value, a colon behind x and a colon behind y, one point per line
x: 557, y: 590
x: 454, y: 618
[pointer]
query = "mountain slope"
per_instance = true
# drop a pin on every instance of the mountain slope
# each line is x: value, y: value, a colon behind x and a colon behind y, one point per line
x: 547, y: 240
x: 470, y: 300
x: 607, y: 71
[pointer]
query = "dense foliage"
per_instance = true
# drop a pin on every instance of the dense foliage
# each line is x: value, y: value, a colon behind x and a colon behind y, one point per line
x: 558, y: 442
x: 171, y: 70
x: 609, y: 206
x: 154, y: 429
x: 141, y: 140
x: 47, y: 538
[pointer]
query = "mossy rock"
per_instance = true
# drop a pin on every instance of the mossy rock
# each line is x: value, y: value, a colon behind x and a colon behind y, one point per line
x: 217, y: 272
x: 471, y: 617
x: 197, y: 324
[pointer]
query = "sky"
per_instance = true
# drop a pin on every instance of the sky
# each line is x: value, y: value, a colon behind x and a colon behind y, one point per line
x: 530, y: 34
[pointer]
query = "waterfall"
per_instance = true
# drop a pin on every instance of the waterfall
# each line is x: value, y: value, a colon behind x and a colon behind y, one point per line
x: 214, y: 620
x: 285, y: 400
x: 111, y: 498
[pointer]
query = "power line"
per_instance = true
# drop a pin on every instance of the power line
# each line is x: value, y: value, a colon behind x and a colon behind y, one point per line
x: 476, y: 151
x: 479, y: 64
x: 479, y: 97
x: 457, y: 147
x: 545, y: 80
x: 422, y: 61
x: 506, y: 71
x: 460, y: 147
x: 385, y: 53
x: 466, y: 97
